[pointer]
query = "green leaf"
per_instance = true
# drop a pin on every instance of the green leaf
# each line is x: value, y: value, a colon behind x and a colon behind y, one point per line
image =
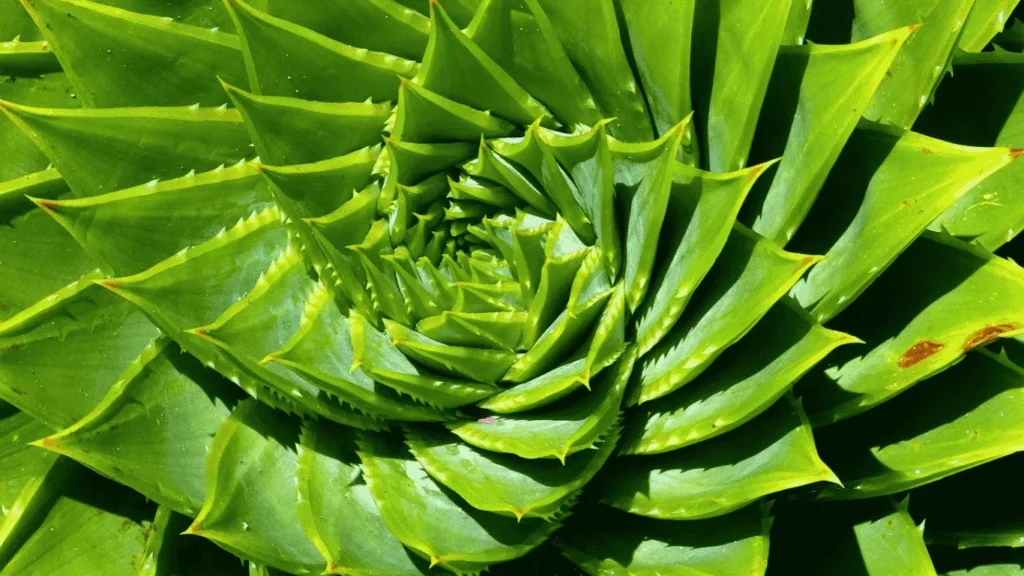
x: 502, y: 483
x: 796, y: 24
x: 411, y: 163
x: 100, y: 151
x: 606, y: 541
x: 170, y: 553
x: 814, y: 100
x: 750, y: 275
x: 118, y: 58
x: 160, y: 219
x: 284, y: 59
x: 15, y: 22
x: 256, y: 446
x: 887, y: 186
x: 21, y: 157
x: 79, y: 334
x: 750, y: 377
x: 335, y: 503
x: 22, y: 474
x: 702, y: 208
x: 990, y: 213
x: 480, y: 82
x: 424, y: 116
x: 492, y: 167
x: 976, y: 508
x: 292, y: 131
x: 870, y: 538
x: 522, y: 40
x: 772, y: 453
x: 940, y: 299
x: 659, y: 36
x: 589, y: 32
x: 501, y: 330
x: 479, y: 364
x: 154, y: 427
x: 559, y: 430
x: 322, y: 189
x: 931, y: 432
x: 921, y: 63
x: 985, y: 20
x: 734, y: 48
x: 540, y: 390
x: 27, y: 58
x: 433, y: 522
x: 380, y: 25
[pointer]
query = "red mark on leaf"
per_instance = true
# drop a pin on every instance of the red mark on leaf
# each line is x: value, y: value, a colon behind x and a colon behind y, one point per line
x: 986, y: 335
x: 488, y: 420
x: 1016, y: 153
x: 919, y: 352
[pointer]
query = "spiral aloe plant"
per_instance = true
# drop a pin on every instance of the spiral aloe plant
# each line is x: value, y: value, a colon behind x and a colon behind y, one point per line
x: 552, y: 287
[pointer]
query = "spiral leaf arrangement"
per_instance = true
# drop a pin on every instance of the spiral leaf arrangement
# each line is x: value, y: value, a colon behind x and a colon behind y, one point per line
x: 389, y: 287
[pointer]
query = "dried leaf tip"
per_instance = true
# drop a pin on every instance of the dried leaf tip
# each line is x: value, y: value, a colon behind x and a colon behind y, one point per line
x: 1016, y: 153
x: 914, y: 27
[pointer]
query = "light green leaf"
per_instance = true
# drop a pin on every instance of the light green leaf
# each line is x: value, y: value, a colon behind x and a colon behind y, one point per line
x: 886, y: 187
x: 931, y: 432
x: 21, y: 157
x: 501, y: 330
x: 940, y: 299
x: 540, y: 390
x: 750, y: 275
x: 772, y: 453
x: 284, y: 59
x: 796, y: 24
x: 480, y: 364
x: 921, y: 63
x: 170, y: 553
x: 734, y: 48
x: 747, y: 380
x: 118, y: 58
x: 27, y: 58
x: 335, y: 504
x: 319, y: 189
x: 985, y: 20
x: 702, y: 208
x: 480, y: 83
x: 411, y: 163
x: 605, y: 541
x: 814, y: 100
x: 256, y: 446
x: 589, y: 32
x: 424, y: 116
x: 506, y: 484
x: 560, y: 430
x: 100, y: 151
x: 435, y: 523
x: 23, y: 472
x: 154, y: 427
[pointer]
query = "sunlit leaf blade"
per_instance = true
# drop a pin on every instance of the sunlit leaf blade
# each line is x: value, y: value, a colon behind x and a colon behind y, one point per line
x: 702, y: 208
x: 323, y: 189
x: 773, y: 452
x: 284, y: 59
x: 979, y: 507
x: 886, y: 187
x: 502, y: 483
x: 118, y: 58
x: 871, y: 538
x: 562, y: 429
x: 521, y: 38
x: 80, y: 334
x: 815, y: 98
x: 81, y: 524
x: 750, y: 275
x: 922, y: 61
x: 985, y: 20
x: 412, y: 162
x: 21, y: 156
x: 930, y: 432
x: 27, y: 58
x: 992, y: 212
x: 746, y: 381
x: 659, y: 35
x: 256, y: 446
x: 293, y: 131
x: 501, y: 330
x: 540, y: 390
x: 99, y: 151
x: 153, y: 429
x: 424, y: 116
x: 480, y: 364
x: 606, y: 541
x: 434, y: 522
x: 162, y: 218
x: 734, y: 48
x: 796, y: 24
x: 335, y: 504
x: 589, y: 31
x: 940, y: 299
x: 203, y: 13
x: 381, y: 25
x: 480, y: 81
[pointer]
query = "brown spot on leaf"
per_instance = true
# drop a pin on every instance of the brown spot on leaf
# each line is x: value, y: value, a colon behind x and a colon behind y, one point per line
x: 905, y: 203
x: 1016, y: 153
x: 986, y: 335
x: 755, y: 172
x: 3, y: 306
x: 18, y: 391
x: 126, y: 524
x: 926, y: 150
x: 975, y: 432
x: 11, y: 348
x: 919, y: 352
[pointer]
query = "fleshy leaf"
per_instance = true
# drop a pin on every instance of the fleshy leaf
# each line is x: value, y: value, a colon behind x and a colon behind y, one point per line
x: 319, y: 189
x: 424, y: 116
x: 985, y: 20
x: 480, y: 364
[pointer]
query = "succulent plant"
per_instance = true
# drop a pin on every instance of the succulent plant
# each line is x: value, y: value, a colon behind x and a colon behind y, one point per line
x: 553, y: 287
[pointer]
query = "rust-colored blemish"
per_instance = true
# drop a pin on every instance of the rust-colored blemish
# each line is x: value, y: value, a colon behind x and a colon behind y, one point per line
x: 1016, y: 153
x: 3, y: 306
x: 919, y: 352
x: 914, y: 27
x: 888, y: 73
x: 11, y: 348
x: 99, y: 512
x: 986, y: 335
x: 126, y: 524
x: 927, y: 150
x: 755, y: 172
x: 45, y: 47
x: 808, y: 261
x: 48, y: 441
x: 48, y: 205
x: 975, y: 432
x: 18, y: 391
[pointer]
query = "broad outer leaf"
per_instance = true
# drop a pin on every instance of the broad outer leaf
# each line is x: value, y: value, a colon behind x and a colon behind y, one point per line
x: 986, y: 19
x: 772, y: 453
x: 435, y: 523
x: 256, y: 447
